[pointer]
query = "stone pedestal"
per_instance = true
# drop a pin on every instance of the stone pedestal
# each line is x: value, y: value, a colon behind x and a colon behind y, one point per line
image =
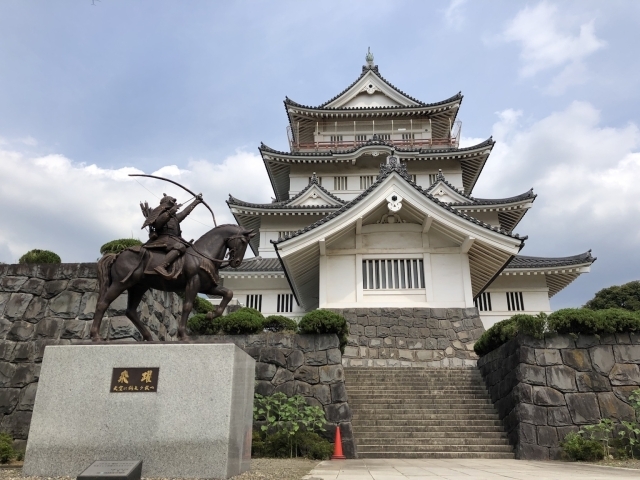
x: 196, y: 425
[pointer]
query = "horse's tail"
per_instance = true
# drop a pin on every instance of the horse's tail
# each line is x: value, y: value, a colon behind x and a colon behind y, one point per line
x: 104, y: 271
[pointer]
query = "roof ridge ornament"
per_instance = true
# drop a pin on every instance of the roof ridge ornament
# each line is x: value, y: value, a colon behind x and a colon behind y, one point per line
x: 440, y: 176
x: 369, y: 57
x: 393, y: 164
x: 313, y: 179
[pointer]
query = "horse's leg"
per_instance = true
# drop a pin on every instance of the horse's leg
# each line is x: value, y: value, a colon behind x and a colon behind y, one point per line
x: 133, y: 300
x: 226, y: 294
x: 190, y: 292
x: 113, y: 292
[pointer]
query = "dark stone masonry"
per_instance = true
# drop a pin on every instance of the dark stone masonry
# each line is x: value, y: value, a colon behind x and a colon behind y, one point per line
x: 544, y: 389
x: 411, y: 337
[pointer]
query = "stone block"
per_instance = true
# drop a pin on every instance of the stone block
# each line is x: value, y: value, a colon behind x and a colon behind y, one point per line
x: 527, y: 355
x: 351, y: 352
x: 8, y: 400
x: 119, y: 327
x: 547, y: 436
x: 281, y: 376
x: 624, y: 392
x: 83, y: 285
x: 586, y: 341
x: 327, y: 342
x: 334, y: 356
x: 602, y: 359
x: 559, y: 416
x: 17, y: 305
x: 527, y: 451
x: 627, y: 353
x: 577, y: 359
x: 53, y: 288
x: 322, y: 393
x: 625, y: 374
x: 534, y: 414
x: 547, y: 396
x: 526, y: 433
x: 273, y: 355
x: 207, y: 439
x: 614, y: 408
x: 20, y: 331
x: 309, y: 374
x: 315, y: 358
x: 22, y: 352
x: 523, y: 393
x: 398, y: 331
x: 65, y: 305
x: 304, y: 389
x: 305, y: 342
x: 17, y: 424
x: 546, y: 357
x: 592, y: 382
x: 583, y: 407
x: 331, y: 374
x: 23, y: 375
x: 7, y: 372
x: 562, y: 378
x: 338, y: 392
x: 35, y: 310
x: 531, y: 374
x: 265, y: 371
x: 27, y: 397
x: 264, y: 388
x: 88, y: 308
x: 559, y: 341
x: 564, y: 431
x: 13, y: 283
x: 337, y: 412
x: 33, y: 286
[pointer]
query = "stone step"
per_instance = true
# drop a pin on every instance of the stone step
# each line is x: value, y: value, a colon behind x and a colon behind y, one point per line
x: 417, y: 403
x: 424, y: 423
x: 417, y: 441
x: 436, y: 430
x: 426, y: 411
x: 436, y: 448
x: 422, y: 416
x: 436, y: 455
x: 421, y: 396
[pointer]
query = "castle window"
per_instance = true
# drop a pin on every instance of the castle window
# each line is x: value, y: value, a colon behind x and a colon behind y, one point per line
x: 483, y: 302
x: 432, y: 178
x: 361, y: 138
x: 339, y: 183
x: 392, y: 274
x: 285, y: 303
x: 408, y: 136
x: 285, y: 233
x: 336, y: 138
x: 366, y: 181
x: 255, y: 301
x: 384, y: 136
x: 515, y: 303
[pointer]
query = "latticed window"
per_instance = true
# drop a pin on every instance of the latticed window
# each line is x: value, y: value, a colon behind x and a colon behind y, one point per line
x: 432, y: 178
x: 339, y: 183
x: 408, y: 136
x: 361, y: 138
x: 483, y: 302
x: 515, y: 302
x: 366, y: 181
x: 255, y: 301
x: 285, y: 233
x: 392, y: 274
x: 285, y: 303
x: 336, y: 138
x: 384, y: 136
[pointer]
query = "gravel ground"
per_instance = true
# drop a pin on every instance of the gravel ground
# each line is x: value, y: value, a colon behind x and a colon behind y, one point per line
x: 261, y: 469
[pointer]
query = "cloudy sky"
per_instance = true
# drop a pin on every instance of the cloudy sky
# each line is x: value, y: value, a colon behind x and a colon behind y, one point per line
x: 90, y: 93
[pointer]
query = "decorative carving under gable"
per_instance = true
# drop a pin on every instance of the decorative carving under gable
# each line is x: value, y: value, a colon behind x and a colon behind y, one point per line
x: 394, y: 206
x: 394, y: 165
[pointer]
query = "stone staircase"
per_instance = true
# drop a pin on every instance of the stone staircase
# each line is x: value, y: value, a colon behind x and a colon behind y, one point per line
x: 424, y: 413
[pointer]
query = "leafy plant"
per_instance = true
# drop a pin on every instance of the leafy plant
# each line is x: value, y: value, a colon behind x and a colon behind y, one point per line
x: 631, y: 433
x: 7, y: 453
x: 507, y: 329
x: 199, y: 324
x: 325, y: 321
x: 601, y: 432
x: 39, y: 256
x: 625, y: 296
x: 279, y: 323
x: 286, y: 418
x: 576, y: 447
x: 120, y: 245
x: 242, y: 321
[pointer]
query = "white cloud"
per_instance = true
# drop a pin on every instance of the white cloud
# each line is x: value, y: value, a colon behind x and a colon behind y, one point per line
x: 71, y: 208
x: 586, y: 176
x: 548, y: 40
x: 453, y: 15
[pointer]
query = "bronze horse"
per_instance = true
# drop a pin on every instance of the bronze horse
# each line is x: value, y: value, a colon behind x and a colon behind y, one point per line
x: 132, y: 270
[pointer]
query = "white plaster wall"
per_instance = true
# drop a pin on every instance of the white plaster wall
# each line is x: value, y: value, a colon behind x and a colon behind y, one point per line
x: 375, y: 99
x: 340, y: 280
x: 448, y: 284
x: 269, y: 288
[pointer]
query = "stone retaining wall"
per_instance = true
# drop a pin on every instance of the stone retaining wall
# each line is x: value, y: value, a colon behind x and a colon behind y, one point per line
x: 544, y: 389
x: 411, y: 337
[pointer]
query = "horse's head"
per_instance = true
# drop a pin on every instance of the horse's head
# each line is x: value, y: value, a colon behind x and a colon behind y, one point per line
x: 237, y: 245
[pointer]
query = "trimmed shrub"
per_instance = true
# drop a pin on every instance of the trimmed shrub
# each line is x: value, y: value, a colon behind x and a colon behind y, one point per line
x: 324, y: 321
x: 7, y: 453
x: 242, y: 321
x: 39, y: 256
x: 201, y: 305
x: 302, y: 443
x: 278, y: 323
x: 120, y: 245
x: 507, y: 329
x: 625, y: 296
x: 199, y: 325
x: 594, y: 322
x: 576, y: 447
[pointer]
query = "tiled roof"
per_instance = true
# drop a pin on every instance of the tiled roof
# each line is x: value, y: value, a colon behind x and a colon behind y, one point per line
x: 385, y: 171
x: 257, y: 265
x: 286, y: 203
x: 374, y: 70
x: 521, y: 261
x: 371, y: 142
x: 421, y: 105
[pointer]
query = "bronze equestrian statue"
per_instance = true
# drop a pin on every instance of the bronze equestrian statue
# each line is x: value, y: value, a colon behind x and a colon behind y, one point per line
x: 189, y: 267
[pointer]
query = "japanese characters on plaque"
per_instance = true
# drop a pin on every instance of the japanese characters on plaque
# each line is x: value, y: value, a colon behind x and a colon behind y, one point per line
x: 135, y: 380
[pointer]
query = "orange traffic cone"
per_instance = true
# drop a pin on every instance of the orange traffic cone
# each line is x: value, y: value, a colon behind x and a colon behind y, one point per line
x: 337, y: 449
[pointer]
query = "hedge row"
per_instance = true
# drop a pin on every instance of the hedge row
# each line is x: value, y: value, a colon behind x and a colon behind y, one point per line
x: 250, y: 321
x: 568, y: 320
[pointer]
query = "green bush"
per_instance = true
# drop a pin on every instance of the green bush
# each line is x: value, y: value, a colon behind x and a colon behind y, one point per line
x: 576, y: 447
x: 594, y: 322
x: 201, y: 305
x: 281, y: 445
x: 120, y: 245
x: 625, y: 296
x: 507, y: 329
x: 278, y: 323
x: 324, y: 321
x: 200, y: 325
x: 7, y: 453
x: 39, y: 256
x: 242, y: 321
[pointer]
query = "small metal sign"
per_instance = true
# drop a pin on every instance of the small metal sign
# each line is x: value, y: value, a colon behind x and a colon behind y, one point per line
x: 135, y: 379
x: 125, y: 470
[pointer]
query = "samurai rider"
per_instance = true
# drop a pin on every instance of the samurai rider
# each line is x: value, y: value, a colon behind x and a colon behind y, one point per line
x: 164, y: 230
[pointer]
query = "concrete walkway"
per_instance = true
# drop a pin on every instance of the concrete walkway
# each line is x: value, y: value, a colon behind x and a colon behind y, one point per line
x: 480, y: 469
